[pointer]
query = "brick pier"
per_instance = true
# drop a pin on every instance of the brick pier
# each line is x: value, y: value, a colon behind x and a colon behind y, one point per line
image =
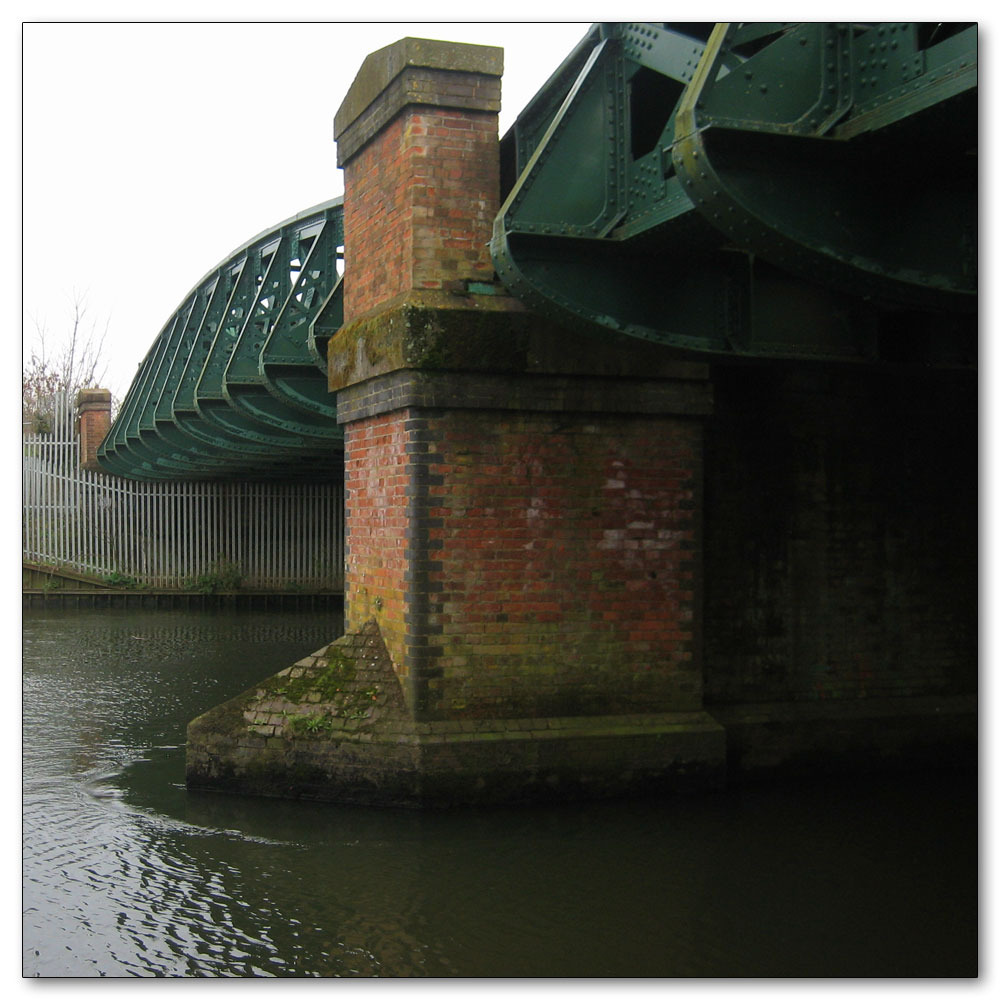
x: 530, y: 512
x: 523, y: 531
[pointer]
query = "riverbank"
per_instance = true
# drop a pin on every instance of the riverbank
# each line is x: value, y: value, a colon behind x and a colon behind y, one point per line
x: 179, y: 599
x: 45, y: 586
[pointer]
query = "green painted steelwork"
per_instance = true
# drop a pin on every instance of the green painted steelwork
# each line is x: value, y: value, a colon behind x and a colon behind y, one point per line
x: 758, y: 190
x: 733, y: 190
x: 233, y: 386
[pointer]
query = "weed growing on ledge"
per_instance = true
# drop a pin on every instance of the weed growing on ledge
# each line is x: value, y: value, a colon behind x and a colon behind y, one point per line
x: 224, y: 578
x: 334, y: 686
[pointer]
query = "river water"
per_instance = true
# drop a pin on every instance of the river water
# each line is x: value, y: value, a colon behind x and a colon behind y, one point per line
x: 126, y: 873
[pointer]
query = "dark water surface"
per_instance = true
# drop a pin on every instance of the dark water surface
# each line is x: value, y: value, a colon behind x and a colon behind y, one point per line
x: 128, y: 874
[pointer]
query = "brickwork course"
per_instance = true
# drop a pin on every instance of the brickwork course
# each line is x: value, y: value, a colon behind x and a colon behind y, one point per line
x: 523, y: 563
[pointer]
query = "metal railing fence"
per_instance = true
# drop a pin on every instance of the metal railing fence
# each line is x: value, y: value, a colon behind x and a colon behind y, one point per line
x: 266, y: 535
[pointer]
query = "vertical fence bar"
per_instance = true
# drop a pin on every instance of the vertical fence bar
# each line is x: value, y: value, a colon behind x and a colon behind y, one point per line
x: 199, y: 514
x: 253, y: 527
x: 119, y: 530
x: 233, y: 547
x: 209, y: 528
x: 170, y: 531
x: 178, y: 532
x: 109, y: 504
x: 186, y: 506
x: 144, y: 499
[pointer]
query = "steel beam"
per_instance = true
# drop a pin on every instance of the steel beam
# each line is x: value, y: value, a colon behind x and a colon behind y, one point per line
x: 233, y: 387
x: 756, y: 190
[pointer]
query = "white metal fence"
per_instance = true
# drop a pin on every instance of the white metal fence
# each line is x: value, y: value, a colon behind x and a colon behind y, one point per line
x: 269, y: 536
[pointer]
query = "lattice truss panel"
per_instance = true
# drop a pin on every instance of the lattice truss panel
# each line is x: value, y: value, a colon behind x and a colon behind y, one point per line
x: 235, y: 384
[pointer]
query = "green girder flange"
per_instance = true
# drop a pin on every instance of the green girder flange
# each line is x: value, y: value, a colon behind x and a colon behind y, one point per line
x: 753, y: 190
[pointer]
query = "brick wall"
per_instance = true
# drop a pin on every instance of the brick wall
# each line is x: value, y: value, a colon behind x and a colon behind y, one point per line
x: 565, y: 551
x: 377, y: 487
x: 840, y: 534
x: 376, y: 225
x: 424, y: 190
x: 523, y: 563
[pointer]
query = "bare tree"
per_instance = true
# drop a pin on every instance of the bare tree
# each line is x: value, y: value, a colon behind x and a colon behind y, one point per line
x: 74, y: 365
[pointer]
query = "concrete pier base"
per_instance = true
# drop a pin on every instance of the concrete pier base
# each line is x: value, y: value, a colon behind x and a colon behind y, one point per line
x: 334, y: 727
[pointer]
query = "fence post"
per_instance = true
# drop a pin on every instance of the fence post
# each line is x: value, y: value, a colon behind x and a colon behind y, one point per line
x: 94, y: 409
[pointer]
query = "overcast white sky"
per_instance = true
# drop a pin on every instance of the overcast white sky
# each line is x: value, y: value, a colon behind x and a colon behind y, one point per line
x: 152, y: 150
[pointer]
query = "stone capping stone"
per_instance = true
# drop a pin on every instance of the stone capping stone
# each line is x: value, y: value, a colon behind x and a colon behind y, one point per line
x: 443, y: 330
x: 415, y: 71
x: 93, y: 399
x: 539, y: 393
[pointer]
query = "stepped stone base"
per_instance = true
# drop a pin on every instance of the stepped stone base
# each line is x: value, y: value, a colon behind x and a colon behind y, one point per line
x: 809, y: 739
x: 335, y: 727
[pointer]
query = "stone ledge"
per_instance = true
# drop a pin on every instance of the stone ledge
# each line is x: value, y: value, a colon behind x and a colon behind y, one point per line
x: 462, y: 768
x: 813, y: 738
x: 527, y: 394
x: 454, y: 331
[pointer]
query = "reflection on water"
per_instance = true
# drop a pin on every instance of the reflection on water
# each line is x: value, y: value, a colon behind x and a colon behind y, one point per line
x: 128, y: 874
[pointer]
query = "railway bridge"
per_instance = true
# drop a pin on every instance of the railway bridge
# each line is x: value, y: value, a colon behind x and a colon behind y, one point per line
x: 657, y: 418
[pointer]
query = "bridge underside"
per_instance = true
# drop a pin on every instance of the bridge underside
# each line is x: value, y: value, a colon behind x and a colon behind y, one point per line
x: 784, y: 191
x: 799, y: 191
x: 580, y: 560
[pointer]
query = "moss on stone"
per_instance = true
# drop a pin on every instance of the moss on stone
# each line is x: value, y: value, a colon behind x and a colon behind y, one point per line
x: 477, y: 333
x: 220, y: 724
x: 327, y: 681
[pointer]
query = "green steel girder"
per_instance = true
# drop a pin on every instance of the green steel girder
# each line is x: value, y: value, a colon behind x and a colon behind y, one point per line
x: 284, y: 279
x: 288, y: 376
x: 326, y: 323
x: 756, y: 190
x: 208, y: 400
x: 573, y: 183
x: 762, y: 190
x: 834, y: 214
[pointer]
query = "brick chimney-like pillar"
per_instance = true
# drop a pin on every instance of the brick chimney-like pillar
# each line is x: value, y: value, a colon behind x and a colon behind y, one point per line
x: 94, y: 409
x: 521, y: 500
x: 417, y: 138
x: 522, y: 503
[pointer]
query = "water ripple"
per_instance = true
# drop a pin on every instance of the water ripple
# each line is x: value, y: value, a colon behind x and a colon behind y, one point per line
x: 127, y: 874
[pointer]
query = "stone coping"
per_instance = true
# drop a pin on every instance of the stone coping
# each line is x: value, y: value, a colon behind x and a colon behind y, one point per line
x: 759, y: 713
x: 409, y: 72
x: 491, y: 335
